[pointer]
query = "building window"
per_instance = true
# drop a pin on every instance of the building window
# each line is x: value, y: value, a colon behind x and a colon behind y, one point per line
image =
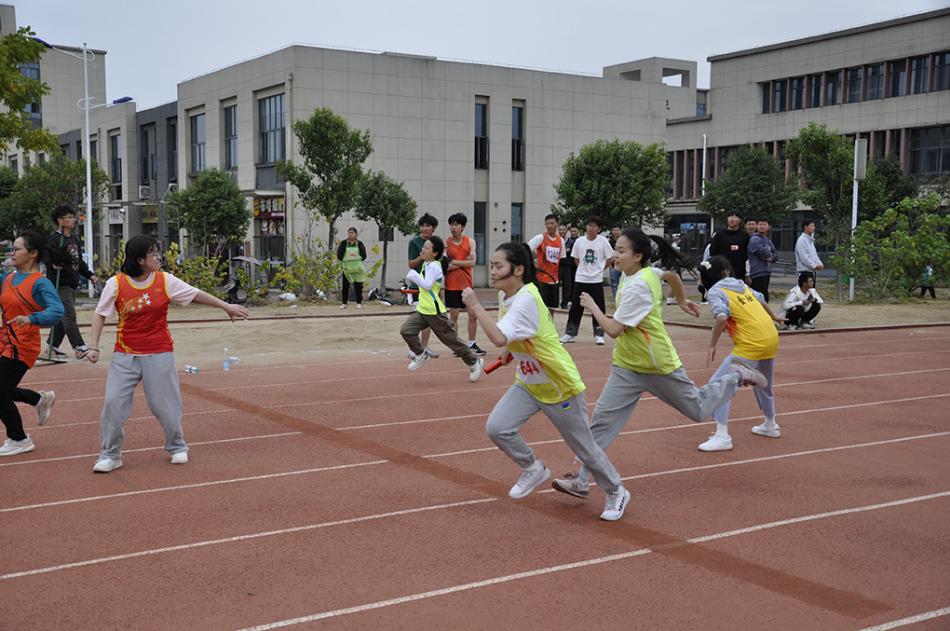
x: 172, y: 149
x: 33, y: 110
x: 481, y: 230
x: 702, y: 98
x: 897, y: 71
x: 41, y: 158
x: 880, y: 140
x: 79, y: 150
x: 918, y: 75
x: 15, y: 165
x: 896, y: 142
x: 814, y: 90
x: 115, y: 164
x: 517, y: 223
x: 198, y: 142
x: 766, y: 93
x: 230, y: 138
x: 854, y: 85
x: 149, y: 171
x: 875, y: 82
x: 778, y: 89
x: 930, y: 151
x: 271, y: 115
x: 94, y: 151
x: 942, y: 71
x: 797, y: 93
x: 517, y: 138
x: 481, y: 135
x: 832, y: 88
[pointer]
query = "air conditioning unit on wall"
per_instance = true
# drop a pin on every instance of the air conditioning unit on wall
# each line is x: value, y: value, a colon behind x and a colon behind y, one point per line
x: 145, y: 192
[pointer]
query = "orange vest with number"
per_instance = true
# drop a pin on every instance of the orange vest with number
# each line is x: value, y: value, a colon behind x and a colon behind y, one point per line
x: 143, y: 317
x: 21, y: 343
x: 549, y: 259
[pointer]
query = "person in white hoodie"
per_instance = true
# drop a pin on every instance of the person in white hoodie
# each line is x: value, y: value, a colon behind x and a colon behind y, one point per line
x: 806, y: 256
x: 803, y: 303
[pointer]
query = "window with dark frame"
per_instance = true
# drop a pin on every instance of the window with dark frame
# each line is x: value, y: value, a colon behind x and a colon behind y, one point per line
x: 897, y: 71
x: 929, y: 151
x: 517, y: 222
x: 517, y: 138
x: 918, y: 75
x: 854, y: 85
x: 481, y: 135
x: 34, y: 111
x: 778, y: 90
x: 172, y: 149
x: 198, y: 143
x: 814, y: 89
x: 766, y: 90
x: 797, y: 93
x: 230, y: 138
x: 941, y: 71
x: 115, y: 165
x: 480, y: 212
x: 875, y: 82
x: 833, y: 87
x: 271, y: 116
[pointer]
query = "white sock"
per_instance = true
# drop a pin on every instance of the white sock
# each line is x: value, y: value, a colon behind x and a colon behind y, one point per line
x: 471, y: 343
x: 722, y: 430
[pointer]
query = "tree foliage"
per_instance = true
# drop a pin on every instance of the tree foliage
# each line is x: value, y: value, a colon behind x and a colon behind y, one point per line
x: 891, y: 250
x: 42, y: 188
x: 333, y: 155
x: 18, y: 91
x: 385, y: 202
x: 624, y: 183
x: 753, y: 184
x: 884, y: 187
x: 213, y: 210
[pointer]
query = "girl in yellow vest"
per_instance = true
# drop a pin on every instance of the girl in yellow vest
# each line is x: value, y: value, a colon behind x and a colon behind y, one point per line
x: 644, y: 359
x: 743, y: 312
x: 546, y: 380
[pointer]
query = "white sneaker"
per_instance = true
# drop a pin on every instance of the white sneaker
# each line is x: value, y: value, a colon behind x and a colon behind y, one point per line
x: 418, y: 360
x: 671, y: 301
x: 431, y: 353
x: 475, y: 370
x: 412, y: 355
x: 599, y: 339
x: 81, y: 351
x: 45, y: 406
x: 717, y: 443
x: 567, y: 339
x: 808, y: 325
x: 572, y: 484
x: 105, y: 465
x: 14, y: 447
x: 767, y: 429
x: 359, y: 305
x: 615, y: 504
x: 180, y: 457
x: 531, y: 479
x: 342, y: 306
x: 749, y: 376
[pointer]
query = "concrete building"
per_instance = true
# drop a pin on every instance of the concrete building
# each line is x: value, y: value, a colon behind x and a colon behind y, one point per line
x: 887, y: 82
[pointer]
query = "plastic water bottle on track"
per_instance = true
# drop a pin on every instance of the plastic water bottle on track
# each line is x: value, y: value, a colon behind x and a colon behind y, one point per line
x: 227, y: 359
x: 191, y: 370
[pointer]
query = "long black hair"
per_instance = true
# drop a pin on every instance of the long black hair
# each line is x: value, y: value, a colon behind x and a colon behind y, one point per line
x: 519, y: 254
x: 654, y: 248
x: 137, y: 248
x: 714, y: 270
x: 34, y: 242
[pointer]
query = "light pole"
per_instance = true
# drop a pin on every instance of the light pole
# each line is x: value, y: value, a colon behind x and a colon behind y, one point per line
x: 85, y: 104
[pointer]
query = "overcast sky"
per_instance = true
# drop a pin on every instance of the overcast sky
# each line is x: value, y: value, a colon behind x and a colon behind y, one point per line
x: 154, y: 44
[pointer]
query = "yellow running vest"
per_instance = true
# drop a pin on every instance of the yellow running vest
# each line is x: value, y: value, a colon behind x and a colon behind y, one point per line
x: 542, y: 366
x: 750, y: 326
x: 429, y: 301
x: 646, y: 348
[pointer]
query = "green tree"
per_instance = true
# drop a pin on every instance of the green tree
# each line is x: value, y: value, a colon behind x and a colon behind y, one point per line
x: 213, y: 210
x: 884, y: 187
x: 386, y: 202
x: 624, y: 183
x: 754, y: 184
x: 43, y: 187
x: 891, y: 250
x: 8, y: 178
x: 333, y: 155
x: 17, y: 92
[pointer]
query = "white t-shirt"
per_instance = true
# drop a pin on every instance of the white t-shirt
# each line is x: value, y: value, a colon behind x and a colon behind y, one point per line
x: 433, y: 270
x: 592, y: 257
x: 521, y: 320
x: 636, y: 299
x: 180, y: 292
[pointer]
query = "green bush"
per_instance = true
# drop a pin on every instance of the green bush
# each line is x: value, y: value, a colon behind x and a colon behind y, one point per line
x: 205, y: 273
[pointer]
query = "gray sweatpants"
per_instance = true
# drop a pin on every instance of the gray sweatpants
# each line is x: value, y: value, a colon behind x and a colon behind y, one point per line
x: 763, y: 396
x: 624, y: 387
x: 160, y: 381
x: 569, y: 417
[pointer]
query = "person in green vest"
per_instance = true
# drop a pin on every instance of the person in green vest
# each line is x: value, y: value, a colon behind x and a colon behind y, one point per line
x: 352, y: 253
x: 644, y: 359
x: 546, y: 380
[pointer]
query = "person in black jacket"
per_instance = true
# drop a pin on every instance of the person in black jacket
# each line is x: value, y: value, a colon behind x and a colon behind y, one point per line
x: 64, y: 266
x: 732, y: 242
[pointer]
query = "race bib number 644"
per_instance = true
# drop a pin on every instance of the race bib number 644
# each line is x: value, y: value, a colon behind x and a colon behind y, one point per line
x: 530, y: 370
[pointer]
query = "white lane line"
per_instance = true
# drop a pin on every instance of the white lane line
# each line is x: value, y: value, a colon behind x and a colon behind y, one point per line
x: 256, y: 535
x: 205, y: 442
x: 903, y: 622
x: 653, y: 474
x: 380, y: 604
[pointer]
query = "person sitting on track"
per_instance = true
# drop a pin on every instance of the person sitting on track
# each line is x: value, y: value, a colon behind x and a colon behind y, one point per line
x: 644, y: 358
x: 546, y: 380
x: 745, y: 313
x: 28, y: 301
x: 430, y: 313
x: 140, y: 294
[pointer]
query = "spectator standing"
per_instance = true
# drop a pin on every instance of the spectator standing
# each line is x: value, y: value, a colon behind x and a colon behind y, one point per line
x: 803, y: 303
x: 352, y: 253
x: 460, y: 250
x: 548, y: 250
x: 592, y: 255
x: 762, y: 254
x: 64, y: 267
x: 615, y: 274
x: 806, y: 256
x: 567, y: 268
x: 927, y: 281
x: 732, y: 242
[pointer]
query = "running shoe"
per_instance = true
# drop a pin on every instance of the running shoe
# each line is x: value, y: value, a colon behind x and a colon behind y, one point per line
x: 771, y: 430
x: 599, y: 340
x: 45, y: 406
x: 432, y: 353
x: 418, y: 360
x: 615, y: 504
x: 476, y: 349
x: 14, y: 447
x: 105, y: 465
x: 180, y: 457
x: 532, y: 477
x: 572, y: 484
x: 749, y: 376
x: 567, y: 339
x: 717, y: 443
x: 475, y: 370
x: 81, y: 351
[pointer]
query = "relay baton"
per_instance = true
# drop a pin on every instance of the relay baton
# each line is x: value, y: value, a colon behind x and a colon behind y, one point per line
x: 498, y: 363
x: 409, y: 291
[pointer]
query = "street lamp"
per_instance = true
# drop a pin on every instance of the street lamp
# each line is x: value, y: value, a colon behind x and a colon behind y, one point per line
x: 85, y: 104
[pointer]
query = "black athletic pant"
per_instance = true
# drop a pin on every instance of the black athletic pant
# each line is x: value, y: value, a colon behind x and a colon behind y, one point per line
x: 798, y: 315
x: 358, y: 287
x: 761, y: 285
x: 596, y: 291
x: 67, y: 327
x: 930, y: 288
x: 565, y: 272
x: 11, y: 372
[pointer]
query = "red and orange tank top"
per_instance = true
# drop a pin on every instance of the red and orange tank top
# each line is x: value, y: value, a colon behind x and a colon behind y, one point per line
x: 549, y: 257
x: 20, y: 343
x: 458, y: 278
x: 143, y: 316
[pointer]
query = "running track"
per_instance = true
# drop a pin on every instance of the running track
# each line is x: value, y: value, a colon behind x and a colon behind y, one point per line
x: 350, y: 494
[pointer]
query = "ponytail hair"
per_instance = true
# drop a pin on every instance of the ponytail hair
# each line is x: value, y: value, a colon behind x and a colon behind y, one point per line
x: 714, y: 270
x: 519, y: 254
x: 654, y: 248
